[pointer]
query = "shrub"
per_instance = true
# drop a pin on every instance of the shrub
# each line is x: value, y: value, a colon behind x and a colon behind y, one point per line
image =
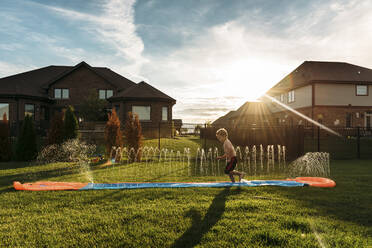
x: 70, y: 124
x: 133, y: 133
x: 26, y: 149
x: 55, y: 133
x: 5, y: 146
x: 113, y: 135
x: 71, y: 150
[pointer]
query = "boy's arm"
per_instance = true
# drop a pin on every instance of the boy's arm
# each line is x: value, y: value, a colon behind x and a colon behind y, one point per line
x: 221, y: 157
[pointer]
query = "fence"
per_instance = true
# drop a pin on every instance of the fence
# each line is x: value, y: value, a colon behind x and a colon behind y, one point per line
x: 353, y: 143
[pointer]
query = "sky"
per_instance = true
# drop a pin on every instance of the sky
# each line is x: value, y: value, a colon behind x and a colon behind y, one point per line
x: 210, y: 55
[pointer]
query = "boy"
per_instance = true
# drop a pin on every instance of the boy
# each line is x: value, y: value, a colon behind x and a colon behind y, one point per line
x: 230, y: 155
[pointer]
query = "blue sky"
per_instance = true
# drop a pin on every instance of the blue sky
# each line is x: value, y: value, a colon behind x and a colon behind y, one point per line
x: 210, y: 55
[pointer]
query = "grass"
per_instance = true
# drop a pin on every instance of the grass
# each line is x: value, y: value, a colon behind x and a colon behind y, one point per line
x: 186, y: 217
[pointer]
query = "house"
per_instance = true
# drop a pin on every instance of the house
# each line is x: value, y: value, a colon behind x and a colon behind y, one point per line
x: 248, y: 115
x: 42, y: 92
x: 332, y: 93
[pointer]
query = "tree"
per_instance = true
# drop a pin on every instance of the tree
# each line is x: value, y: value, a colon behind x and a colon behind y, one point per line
x: 70, y: 124
x: 93, y: 108
x: 5, y: 146
x: 55, y: 133
x: 113, y: 135
x: 26, y: 149
x: 133, y: 133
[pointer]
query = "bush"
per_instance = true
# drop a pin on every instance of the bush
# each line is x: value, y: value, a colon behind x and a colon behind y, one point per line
x: 113, y: 135
x: 70, y: 124
x: 26, y: 149
x: 71, y: 150
x: 133, y: 133
x: 5, y: 146
x: 55, y: 133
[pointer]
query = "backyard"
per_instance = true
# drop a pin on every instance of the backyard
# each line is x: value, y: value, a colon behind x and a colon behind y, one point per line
x: 203, y: 217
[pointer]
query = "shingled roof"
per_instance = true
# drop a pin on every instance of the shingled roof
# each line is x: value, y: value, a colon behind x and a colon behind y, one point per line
x: 251, y: 108
x: 142, y: 91
x: 323, y: 72
x: 36, y: 82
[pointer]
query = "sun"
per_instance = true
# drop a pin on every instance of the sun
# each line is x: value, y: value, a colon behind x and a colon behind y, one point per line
x: 248, y: 79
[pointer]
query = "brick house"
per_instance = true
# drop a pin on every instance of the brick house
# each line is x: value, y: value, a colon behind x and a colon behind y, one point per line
x: 335, y: 94
x: 42, y: 92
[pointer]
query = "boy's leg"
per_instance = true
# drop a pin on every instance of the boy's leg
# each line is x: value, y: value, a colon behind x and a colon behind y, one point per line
x: 238, y: 173
x: 231, y: 175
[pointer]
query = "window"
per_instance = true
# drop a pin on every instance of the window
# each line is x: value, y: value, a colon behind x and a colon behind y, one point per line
x: 291, y: 96
x: 143, y: 112
x: 30, y: 110
x: 361, y: 90
x: 57, y: 93
x: 61, y: 93
x: 282, y: 97
x: 65, y: 94
x: 4, y: 109
x: 164, y: 114
x: 104, y: 94
x: 44, y: 113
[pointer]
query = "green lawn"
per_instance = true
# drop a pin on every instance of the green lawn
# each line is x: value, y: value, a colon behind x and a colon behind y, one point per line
x: 202, y: 217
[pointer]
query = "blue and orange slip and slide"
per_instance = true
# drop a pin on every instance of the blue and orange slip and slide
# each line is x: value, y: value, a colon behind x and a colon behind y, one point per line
x: 296, y: 182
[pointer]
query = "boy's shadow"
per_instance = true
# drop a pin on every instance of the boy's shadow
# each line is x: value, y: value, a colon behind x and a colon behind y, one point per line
x: 200, y: 226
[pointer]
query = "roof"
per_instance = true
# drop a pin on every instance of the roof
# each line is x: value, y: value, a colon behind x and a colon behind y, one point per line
x: 323, y: 72
x: 143, y: 91
x: 36, y: 82
x: 251, y: 108
x: 224, y: 119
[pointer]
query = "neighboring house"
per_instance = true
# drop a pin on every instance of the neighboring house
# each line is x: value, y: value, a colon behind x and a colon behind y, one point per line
x: 41, y: 92
x: 223, y: 120
x: 332, y: 93
x: 248, y: 115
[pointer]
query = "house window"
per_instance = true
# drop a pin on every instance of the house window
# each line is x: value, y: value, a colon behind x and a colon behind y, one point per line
x: 348, y: 119
x: 57, y: 93
x: 65, y: 94
x: 30, y: 110
x: 361, y: 90
x: 291, y: 96
x: 104, y: 94
x: 61, y: 93
x: 143, y: 112
x: 4, y: 109
x: 282, y: 97
x: 164, y: 114
x: 44, y: 113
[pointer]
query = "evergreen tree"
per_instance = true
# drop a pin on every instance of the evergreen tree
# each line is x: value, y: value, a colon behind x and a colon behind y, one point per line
x: 55, y: 132
x: 5, y: 146
x: 26, y: 149
x: 133, y: 133
x: 70, y: 124
x: 113, y: 135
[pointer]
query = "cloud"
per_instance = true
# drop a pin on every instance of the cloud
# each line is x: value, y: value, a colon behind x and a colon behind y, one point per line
x: 233, y: 59
x: 115, y: 28
x: 7, y: 69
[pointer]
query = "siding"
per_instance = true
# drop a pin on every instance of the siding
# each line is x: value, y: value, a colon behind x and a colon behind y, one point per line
x: 303, y: 96
x: 340, y: 95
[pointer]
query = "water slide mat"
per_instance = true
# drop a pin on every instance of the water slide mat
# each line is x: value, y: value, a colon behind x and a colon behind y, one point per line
x: 42, y: 186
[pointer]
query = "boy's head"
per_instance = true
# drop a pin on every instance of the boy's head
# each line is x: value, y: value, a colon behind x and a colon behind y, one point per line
x: 221, y: 134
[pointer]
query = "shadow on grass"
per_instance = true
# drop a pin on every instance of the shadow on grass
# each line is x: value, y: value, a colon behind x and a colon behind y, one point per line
x: 199, y: 227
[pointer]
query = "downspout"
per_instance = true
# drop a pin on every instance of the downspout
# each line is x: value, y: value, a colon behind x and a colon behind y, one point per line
x: 312, y: 100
